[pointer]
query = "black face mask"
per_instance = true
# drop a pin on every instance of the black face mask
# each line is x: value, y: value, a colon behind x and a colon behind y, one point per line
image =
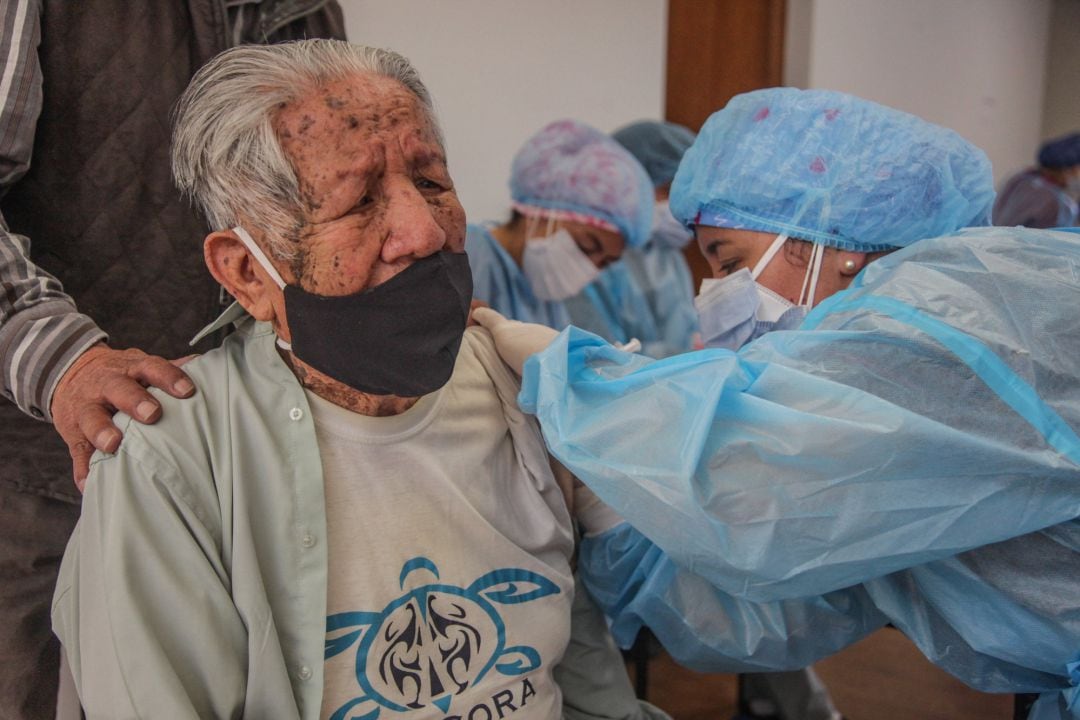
x: 398, y: 338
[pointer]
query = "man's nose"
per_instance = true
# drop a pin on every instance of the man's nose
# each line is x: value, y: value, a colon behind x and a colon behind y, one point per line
x: 412, y: 227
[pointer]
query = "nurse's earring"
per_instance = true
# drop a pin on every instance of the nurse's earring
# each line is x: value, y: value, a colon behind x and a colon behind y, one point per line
x: 850, y: 263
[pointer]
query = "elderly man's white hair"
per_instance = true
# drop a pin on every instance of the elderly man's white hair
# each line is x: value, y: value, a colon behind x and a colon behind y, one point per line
x: 225, y: 154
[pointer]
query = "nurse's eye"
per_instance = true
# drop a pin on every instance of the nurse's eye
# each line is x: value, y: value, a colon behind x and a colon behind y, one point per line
x: 729, y: 267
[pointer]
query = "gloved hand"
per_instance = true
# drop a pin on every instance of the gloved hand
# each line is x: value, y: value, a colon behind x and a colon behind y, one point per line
x: 514, y: 340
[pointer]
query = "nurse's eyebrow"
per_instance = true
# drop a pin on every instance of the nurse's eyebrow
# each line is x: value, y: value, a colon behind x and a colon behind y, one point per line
x: 716, y: 244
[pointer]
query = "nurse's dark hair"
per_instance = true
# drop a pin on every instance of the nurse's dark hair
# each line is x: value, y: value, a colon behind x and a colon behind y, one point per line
x: 225, y: 154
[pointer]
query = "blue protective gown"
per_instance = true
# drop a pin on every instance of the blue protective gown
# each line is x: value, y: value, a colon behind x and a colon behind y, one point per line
x: 498, y: 281
x: 908, y: 455
x: 647, y: 295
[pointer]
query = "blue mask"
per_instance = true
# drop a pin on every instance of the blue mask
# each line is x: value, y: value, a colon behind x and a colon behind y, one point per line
x: 736, y: 309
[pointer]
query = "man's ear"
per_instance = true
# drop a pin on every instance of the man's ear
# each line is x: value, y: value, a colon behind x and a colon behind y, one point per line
x: 232, y: 265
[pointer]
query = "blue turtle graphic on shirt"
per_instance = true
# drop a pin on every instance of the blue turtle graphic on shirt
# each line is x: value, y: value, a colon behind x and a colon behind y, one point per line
x: 435, y: 641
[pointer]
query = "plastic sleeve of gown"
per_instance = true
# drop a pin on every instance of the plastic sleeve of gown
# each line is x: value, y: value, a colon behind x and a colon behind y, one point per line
x: 637, y: 585
x: 914, y: 420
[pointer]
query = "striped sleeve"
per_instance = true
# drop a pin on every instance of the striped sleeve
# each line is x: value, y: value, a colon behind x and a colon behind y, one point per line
x: 41, y: 332
x: 20, y: 86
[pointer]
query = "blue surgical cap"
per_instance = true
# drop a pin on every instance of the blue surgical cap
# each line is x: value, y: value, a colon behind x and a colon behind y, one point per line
x: 833, y: 169
x: 658, y: 146
x: 1061, y: 152
x: 573, y: 167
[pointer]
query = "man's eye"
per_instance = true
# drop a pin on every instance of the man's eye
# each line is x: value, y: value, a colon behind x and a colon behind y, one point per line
x: 364, y: 201
x: 426, y: 184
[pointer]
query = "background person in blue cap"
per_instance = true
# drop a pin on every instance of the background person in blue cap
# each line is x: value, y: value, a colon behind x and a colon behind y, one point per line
x: 1045, y: 196
x: 578, y: 199
x: 908, y: 454
x: 649, y: 294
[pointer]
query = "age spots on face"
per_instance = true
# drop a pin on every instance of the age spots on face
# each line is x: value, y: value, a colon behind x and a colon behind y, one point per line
x: 310, y: 195
x: 334, y: 103
x: 303, y: 269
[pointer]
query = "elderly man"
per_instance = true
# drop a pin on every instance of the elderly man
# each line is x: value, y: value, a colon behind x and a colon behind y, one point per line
x: 351, y: 518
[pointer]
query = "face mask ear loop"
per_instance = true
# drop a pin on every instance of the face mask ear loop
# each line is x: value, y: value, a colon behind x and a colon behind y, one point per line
x: 813, y: 271
x: 260, y: 257
x: 770, y: 253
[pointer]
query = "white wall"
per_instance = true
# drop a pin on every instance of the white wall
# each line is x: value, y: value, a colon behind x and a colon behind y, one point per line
x: 1061, y: 113
x: 976, y: 66
x: 499, y: 70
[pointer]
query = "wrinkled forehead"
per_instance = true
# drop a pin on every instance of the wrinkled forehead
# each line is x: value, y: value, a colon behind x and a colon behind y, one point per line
x: 354, y: 113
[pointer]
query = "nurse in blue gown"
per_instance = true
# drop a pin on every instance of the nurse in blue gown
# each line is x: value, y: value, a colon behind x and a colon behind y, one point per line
x: 578, y: 199
x: 906, y: 453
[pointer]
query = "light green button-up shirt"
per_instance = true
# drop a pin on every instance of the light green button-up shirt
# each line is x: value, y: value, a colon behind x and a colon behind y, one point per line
x: 195, y: 582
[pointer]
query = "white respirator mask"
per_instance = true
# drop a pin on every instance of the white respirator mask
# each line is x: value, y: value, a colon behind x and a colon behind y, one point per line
x: 555, y: 266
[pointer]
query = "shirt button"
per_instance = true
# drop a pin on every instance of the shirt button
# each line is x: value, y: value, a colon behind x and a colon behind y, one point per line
x: 305, y: 673
x: 36, y: 413
x: 308, y: 540
x: 296, y: 413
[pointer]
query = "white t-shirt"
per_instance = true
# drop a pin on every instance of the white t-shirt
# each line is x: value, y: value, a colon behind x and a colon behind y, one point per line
x: 450, y: 586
